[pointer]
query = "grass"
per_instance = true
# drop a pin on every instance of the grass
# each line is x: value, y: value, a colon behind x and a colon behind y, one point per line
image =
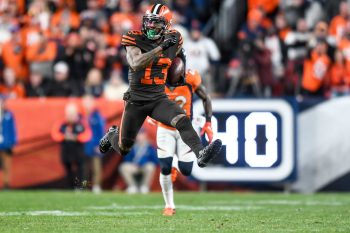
x: 53, y: 211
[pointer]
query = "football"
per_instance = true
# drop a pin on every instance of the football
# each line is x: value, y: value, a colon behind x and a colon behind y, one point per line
x: 175, y: 71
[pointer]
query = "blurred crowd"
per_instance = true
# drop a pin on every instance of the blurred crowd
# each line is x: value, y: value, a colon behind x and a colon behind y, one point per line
x: 64, y: 48
x: 292, y: 47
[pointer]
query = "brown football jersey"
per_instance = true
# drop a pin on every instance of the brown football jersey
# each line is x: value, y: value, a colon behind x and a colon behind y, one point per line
x: 148, y: 84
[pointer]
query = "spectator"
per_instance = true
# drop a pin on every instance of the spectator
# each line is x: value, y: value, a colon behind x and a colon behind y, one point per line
x: 11, y: 88
x: 176, y: 24
x: 31, y: 31
x: 6, y: 25
x: 93, y: 83
x: 296, y: 42
x: 253, y: 28
x: 126, y: 19
x: 293, y: 10
x: 42, y: 54
x: 183, y: 8
x: 13, y: 55
x: 314, y: 13
x: 316, y: 70
x: 93, y: 43
x: 73, y: 55
x: 65, y: 18
x: 115, y: 87
x: 94, y: 16
x: 40, y: 13
x: 8, y: 139
x: 321, y: 33
x: 338, y: 23
x: 141, y: 160
x: 339, y: 76
x: 264, y: 67
x: 282, y: 26
x: 37, y: 86
x: 62, y: 85
x: 274, y: 45
x: 201, y: 51
x: 97, y: 126
x: 344, y: 45
x: 243, y: 71
x: 72, y: 133
x: 269, y: 6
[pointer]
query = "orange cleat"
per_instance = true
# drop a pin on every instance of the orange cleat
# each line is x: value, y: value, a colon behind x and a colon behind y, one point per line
x: 174, y: 174
x: 169, y: 212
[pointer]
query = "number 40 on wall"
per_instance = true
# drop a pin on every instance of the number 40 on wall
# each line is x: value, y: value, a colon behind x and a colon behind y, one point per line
x: 251, y: 156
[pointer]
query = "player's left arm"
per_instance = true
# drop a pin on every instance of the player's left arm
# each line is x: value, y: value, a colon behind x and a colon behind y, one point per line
x: 202, y: 93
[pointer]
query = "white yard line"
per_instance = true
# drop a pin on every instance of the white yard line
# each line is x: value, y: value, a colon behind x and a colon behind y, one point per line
x: 69, y: 213
x: 182, y: 207
x: 280, y: 202
x: 122, y: 210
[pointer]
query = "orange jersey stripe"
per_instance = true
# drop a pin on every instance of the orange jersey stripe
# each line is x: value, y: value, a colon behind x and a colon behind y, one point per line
x: 124, y: 41
x: 128, y: 38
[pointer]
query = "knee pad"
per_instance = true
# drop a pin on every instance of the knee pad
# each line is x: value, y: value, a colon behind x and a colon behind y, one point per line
x: 185, y: 168
x: 181, y: 122
x: 166, y: 165
x: 126, y: 145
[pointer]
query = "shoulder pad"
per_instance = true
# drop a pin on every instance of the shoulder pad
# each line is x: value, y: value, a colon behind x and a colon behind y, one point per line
x: 129, y: 39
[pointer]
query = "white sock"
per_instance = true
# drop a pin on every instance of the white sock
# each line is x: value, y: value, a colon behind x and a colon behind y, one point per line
x: 167, y: 189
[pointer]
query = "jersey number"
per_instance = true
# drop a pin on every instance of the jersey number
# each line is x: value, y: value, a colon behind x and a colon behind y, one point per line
x: 181, y: 101
x: 149, y: 77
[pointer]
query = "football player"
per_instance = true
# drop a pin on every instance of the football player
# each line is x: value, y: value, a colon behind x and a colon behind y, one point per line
x: 169, y: 140
x: 149, y: 53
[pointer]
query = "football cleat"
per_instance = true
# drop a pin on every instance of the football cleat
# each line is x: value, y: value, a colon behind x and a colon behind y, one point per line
x: 208, y: 153
x: 169, y: 212
x: 105, y: 145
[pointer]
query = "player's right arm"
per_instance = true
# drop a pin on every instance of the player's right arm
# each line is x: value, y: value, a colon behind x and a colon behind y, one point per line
x: 138, y: 60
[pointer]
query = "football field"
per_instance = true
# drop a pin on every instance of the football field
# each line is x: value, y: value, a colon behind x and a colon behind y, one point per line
x: 53, y: 211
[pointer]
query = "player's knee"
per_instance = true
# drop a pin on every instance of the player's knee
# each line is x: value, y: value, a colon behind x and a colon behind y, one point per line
x: 125, y: 146
x: 185, y: 168
x: 181, y: 122
x: 166, y: 165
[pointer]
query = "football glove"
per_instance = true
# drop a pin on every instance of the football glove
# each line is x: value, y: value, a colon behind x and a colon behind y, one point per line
x: 208, y: 131
x: 172, y: 40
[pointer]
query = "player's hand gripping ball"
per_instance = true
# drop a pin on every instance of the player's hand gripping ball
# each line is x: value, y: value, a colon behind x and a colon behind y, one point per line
x: 176, y: 72
x: 172, y: 40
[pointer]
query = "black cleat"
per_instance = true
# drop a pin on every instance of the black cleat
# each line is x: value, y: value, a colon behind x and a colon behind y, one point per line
x: 105, y: 144
x: 208, y: 153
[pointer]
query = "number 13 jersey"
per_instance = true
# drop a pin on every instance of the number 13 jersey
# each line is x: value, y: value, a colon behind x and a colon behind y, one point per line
x: 148, y: 84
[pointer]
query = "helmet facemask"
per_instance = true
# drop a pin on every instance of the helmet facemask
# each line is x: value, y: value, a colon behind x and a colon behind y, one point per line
x: 153, y: 26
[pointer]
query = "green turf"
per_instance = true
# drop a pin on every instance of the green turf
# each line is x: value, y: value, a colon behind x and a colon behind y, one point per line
x: 30, y: 211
